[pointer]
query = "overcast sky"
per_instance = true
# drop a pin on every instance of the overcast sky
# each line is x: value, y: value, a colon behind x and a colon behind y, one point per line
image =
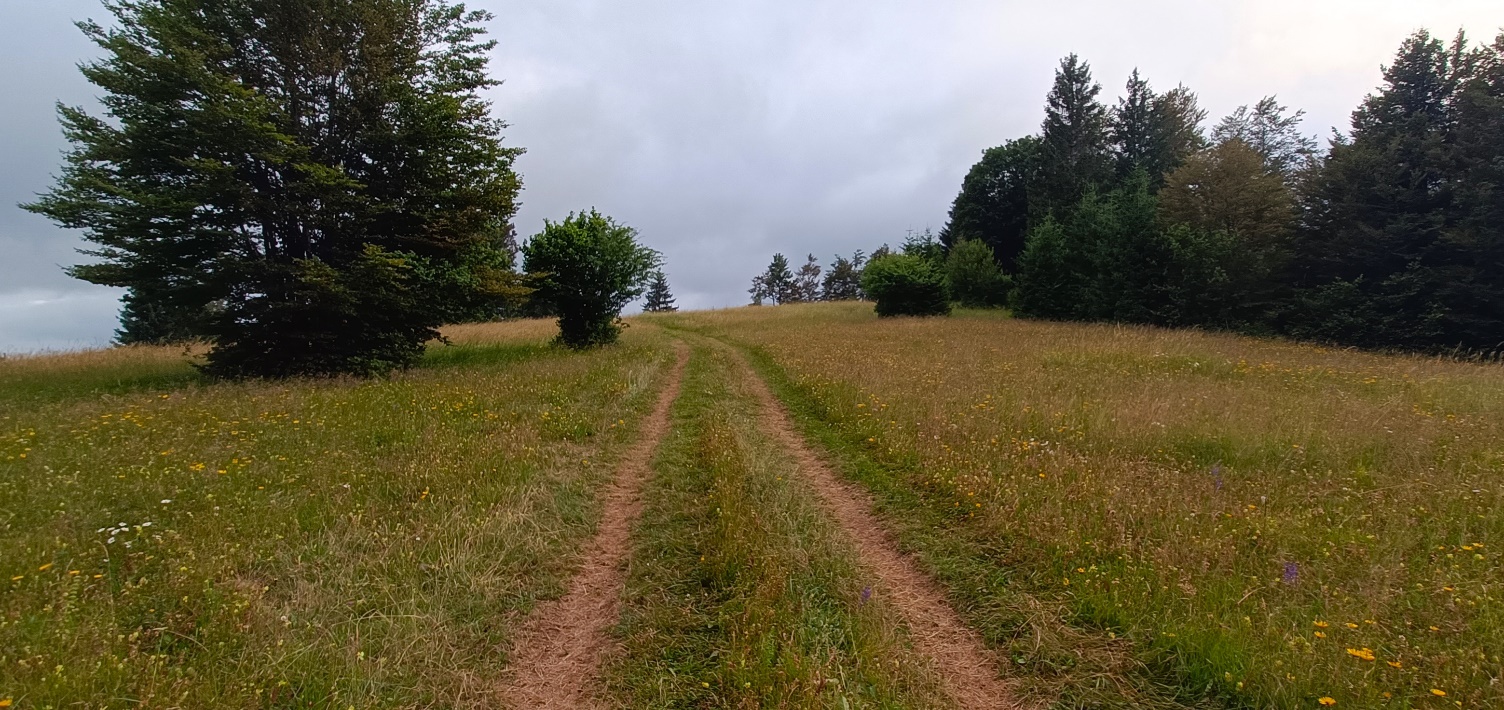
x: 727, y: 131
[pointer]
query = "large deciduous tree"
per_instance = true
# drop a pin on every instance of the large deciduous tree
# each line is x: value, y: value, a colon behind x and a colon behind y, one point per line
x: 993, y: 205
x: 588, y: 268
x: 316, y: 185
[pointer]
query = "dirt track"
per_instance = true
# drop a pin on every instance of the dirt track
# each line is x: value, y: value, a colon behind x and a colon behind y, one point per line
x: 558, y: 654
x: 967, y: 671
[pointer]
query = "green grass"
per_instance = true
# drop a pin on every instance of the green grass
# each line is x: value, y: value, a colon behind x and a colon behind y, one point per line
x: 1059, y: 479
x: 169, y: 542
x: 743, y: 594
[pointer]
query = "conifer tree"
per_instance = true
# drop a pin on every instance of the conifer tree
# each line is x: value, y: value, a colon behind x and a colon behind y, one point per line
x: 659, y: 298
x: 973, y: 276
x: 1074, y: 151
x: 775, y: 285
x: 1154, y: 133
x: 843, y: 281
x: 1378, y: 265
x: 806, y: 288
x: 317, y: 186
x: 588, y: 268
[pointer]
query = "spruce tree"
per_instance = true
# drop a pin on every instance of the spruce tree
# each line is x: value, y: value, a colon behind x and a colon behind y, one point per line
x: 316, y: 186
x: 659, y: 298
x: 973, y: 276
x: 1074, y: 151
x: 1154, y: 133
x: 1386, y: 243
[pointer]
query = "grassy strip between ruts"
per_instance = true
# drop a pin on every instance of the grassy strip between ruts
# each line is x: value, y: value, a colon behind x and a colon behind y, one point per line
x: 742, y: 593
x: 298, y: 544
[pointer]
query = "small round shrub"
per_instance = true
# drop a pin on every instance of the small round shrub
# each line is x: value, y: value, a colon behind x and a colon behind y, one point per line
x: 905, y: 285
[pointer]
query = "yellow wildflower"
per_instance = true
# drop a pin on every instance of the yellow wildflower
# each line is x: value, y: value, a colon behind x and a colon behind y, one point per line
x: 1438, y: 692
x: 1327, y: 700
x: 1363, y: 653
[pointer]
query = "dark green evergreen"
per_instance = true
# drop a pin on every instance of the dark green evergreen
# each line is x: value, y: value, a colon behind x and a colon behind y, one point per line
x: 314, y: 185
x: 588, y: 268
x: 1402, y: 246
x: 776, y: 285
x: 659, y: 298
x: 905, y: 285
x: 843, y: 280
x: 1074, y: 151
x: 1154, y: 133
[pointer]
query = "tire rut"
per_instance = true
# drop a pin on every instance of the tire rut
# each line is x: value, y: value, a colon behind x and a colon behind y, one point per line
x: 966, y: 669
x: 556, y: 660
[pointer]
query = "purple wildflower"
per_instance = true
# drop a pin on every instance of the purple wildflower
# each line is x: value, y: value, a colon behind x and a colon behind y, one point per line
x: 866, y: 594
x: 1292, y: 572
x: 1217, y: 476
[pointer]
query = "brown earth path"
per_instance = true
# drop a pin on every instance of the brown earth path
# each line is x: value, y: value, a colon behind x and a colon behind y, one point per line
x: 967, y: 670
x: 557, y: 658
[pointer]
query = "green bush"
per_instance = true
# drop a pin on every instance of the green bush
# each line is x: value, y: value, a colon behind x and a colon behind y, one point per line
x: 905, y: 285
x: 588, y: 268
x: 974, y: 277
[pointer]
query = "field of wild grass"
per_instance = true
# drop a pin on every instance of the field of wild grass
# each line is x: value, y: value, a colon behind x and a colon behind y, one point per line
x: 1155, y: 518
x: 169, y: 542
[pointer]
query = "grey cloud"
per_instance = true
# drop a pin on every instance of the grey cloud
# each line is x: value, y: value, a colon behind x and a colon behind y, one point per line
x: 726, y: 131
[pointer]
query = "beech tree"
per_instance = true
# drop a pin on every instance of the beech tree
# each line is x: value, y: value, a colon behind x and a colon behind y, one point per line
x: 316, y: 186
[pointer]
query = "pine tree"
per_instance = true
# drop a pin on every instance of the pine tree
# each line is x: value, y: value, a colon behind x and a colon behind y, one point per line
x: 659, y: 298
x: 843, y: 281
x: 1074, y: 151
x: 993, y: 205
x: 317, y: 186
x: 775, y: 285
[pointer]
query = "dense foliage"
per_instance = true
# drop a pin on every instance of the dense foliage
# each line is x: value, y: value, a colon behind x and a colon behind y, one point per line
x: 588, y: 268
x: 905, y: 285
x: 315, y: 186
x: 1393, y: 238
x: 973, y: 276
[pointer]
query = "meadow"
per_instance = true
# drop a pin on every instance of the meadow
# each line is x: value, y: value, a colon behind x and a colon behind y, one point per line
x: 171, y: 542
x: 1141, y: 517
x: 1132, y: 518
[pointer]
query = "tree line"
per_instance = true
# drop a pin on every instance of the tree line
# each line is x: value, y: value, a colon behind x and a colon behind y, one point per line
x: 316, y: 187
x: 1392, y: 236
